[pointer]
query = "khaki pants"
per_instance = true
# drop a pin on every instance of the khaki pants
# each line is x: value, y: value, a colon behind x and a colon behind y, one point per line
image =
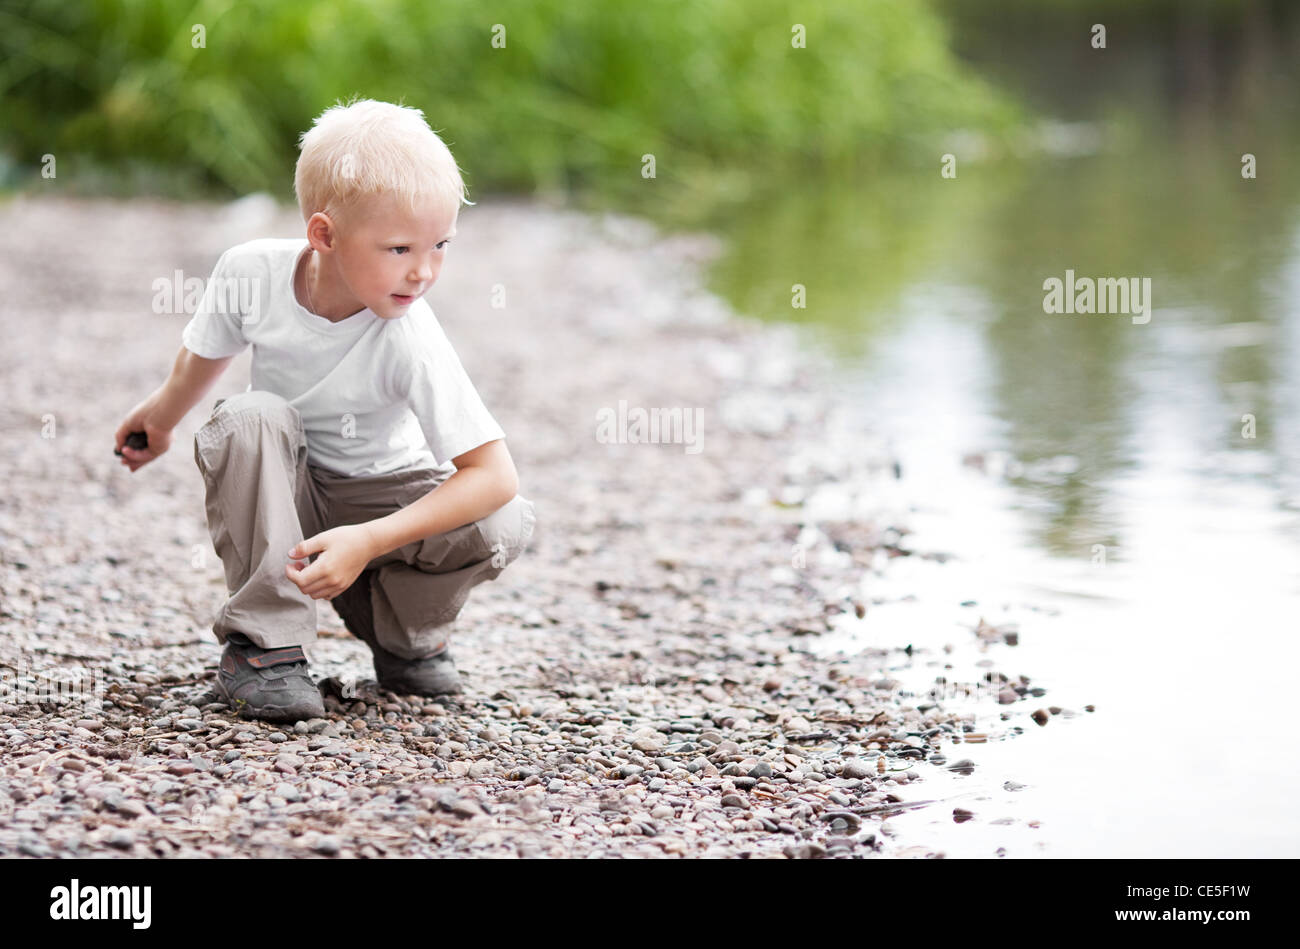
x: 263, y: 497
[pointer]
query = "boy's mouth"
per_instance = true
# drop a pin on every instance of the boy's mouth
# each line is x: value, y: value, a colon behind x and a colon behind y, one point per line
x: 404, y: 299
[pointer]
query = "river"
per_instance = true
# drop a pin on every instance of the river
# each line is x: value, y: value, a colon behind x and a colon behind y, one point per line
x: 1122, y: 492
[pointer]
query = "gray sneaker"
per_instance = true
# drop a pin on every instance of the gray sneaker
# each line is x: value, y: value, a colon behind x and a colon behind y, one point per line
x: 433, y: 675
x: 270, y: 684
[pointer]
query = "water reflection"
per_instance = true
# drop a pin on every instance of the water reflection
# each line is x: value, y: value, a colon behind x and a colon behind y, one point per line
x: 1069, y: 391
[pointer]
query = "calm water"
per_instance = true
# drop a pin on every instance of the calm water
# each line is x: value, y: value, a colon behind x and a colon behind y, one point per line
x: 1089, y: 475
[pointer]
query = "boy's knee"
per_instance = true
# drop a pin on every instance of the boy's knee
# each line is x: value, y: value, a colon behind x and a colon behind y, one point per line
x: 258, y: 400
x: 506, y: 531
x: 271, y: 410
x: 267, y: 406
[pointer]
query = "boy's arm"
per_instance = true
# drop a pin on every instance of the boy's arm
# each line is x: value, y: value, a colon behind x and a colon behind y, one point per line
x: 485, y: 480
x: 191, y: 377
x: 162, y: 409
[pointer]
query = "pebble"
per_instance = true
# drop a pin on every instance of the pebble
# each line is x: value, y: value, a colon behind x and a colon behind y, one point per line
x: 125, y: 807
x: 463, y: 807
x: 808, y: 851
x: 33, y: 847
x: 122, y: 839
x: 855, y: 768
x: 850, y: 821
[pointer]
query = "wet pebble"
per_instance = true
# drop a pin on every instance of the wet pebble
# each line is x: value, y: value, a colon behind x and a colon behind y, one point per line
x: 855, y: 768
x: 849, y: 823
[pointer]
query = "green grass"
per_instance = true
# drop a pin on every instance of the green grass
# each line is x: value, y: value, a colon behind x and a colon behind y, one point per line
x: 713, y: 89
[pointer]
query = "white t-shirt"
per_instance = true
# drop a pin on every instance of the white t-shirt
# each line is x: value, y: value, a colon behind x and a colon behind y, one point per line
x: 375, y: 395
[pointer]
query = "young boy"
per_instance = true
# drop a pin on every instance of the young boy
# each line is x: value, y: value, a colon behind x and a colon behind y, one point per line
x: 360, y: 441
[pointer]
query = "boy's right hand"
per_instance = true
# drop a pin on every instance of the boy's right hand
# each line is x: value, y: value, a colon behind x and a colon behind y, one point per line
x: 160, y: 439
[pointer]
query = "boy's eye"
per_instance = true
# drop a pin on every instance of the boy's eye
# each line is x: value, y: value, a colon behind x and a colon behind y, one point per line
x: 402, y: 249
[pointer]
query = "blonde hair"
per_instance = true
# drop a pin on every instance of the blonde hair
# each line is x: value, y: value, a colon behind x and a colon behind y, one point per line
x: 364, y: 149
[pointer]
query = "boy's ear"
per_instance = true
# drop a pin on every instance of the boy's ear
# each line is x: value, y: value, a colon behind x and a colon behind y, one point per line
x: 320, y: 231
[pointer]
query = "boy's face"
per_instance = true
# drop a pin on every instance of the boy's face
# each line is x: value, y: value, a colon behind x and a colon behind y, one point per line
x: 387, y: 257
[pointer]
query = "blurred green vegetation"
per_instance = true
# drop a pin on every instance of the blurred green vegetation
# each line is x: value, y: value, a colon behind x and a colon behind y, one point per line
x: 580, y: 92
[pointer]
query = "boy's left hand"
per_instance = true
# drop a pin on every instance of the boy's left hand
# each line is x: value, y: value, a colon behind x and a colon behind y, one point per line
x: 344, y: 553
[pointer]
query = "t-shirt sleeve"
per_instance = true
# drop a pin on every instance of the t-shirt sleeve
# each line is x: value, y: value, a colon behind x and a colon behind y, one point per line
x: 217, y: 328
x: 445, y: 403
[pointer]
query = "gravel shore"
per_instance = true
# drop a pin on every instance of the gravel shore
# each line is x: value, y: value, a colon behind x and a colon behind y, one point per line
x: 636, y: 684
